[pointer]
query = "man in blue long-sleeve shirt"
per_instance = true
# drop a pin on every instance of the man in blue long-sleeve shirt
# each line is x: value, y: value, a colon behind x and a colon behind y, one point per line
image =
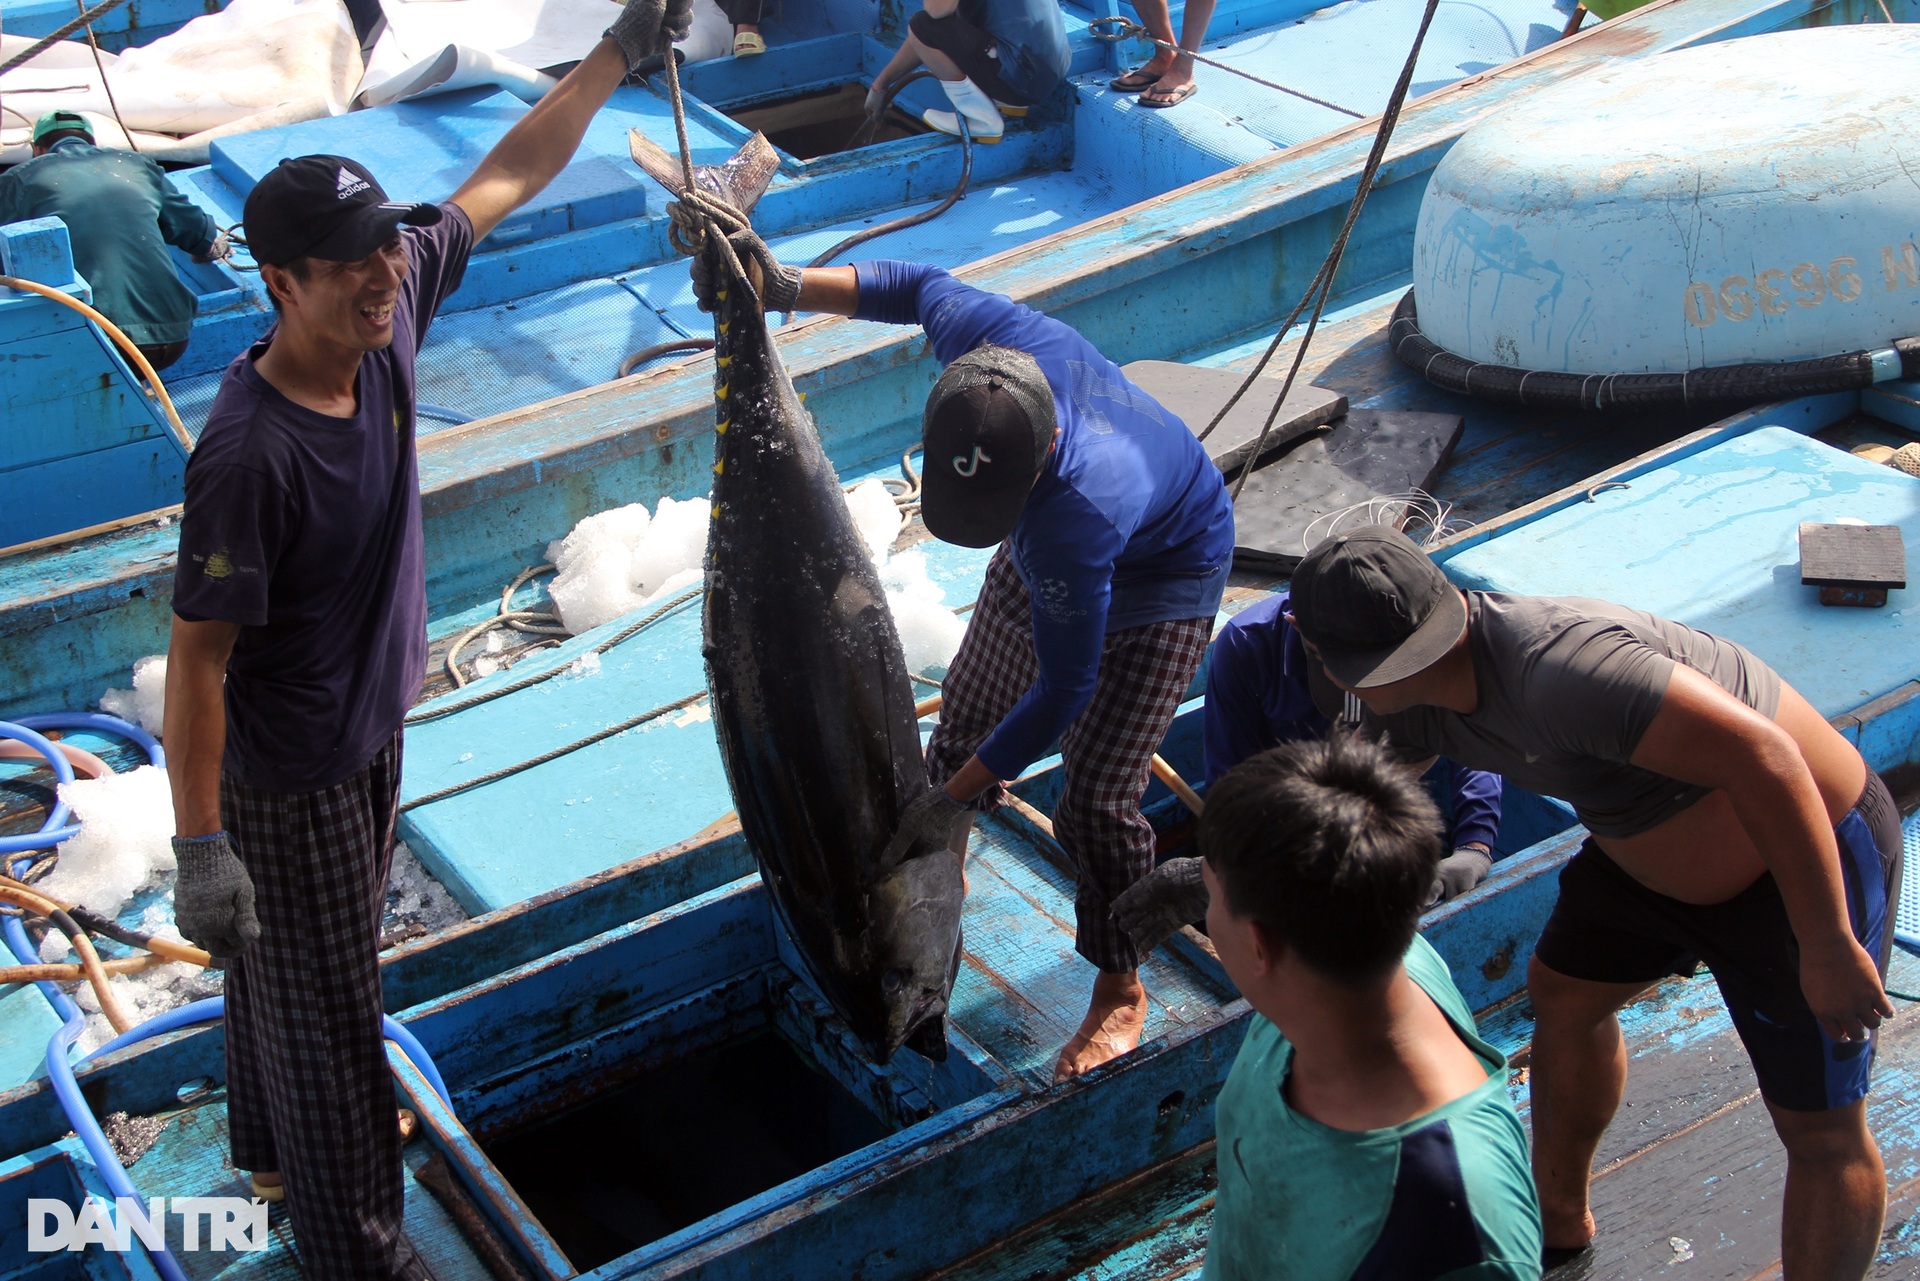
x: 1259, y: 696
x: 1115, y: 537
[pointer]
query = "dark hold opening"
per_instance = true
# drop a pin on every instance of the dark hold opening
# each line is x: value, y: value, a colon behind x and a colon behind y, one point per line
x: 823, y: 122
x: 1169, y: 1104
x: 680, y: 1144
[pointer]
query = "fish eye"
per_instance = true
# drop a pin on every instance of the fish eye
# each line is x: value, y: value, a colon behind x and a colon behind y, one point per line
x: 893, y: 980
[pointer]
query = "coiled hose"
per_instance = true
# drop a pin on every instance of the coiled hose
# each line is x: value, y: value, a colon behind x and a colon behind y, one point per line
x: 1725, y: 384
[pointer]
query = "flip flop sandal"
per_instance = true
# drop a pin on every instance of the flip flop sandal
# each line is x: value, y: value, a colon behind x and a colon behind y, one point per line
x: 1172, y: 98
x: 748, y: 43
x: 1132, y: 82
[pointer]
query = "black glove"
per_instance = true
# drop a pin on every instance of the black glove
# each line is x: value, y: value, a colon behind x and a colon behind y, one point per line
x: 1459, y: 872
x: 931, y: 818
x: 779, y: 284
x: 1159, y: 903
x: 213, y: 896
x: 648, y: 28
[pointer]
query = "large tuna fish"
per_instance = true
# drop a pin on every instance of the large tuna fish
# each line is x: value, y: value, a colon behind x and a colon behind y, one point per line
x: 811, y: 697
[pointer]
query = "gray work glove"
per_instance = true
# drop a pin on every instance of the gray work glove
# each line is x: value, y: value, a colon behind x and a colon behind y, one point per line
x: 876, y: 99
x: 779, y: 284
x: 1159, y: 903
x: 647, y: 28
x: 213, y: 896
x: 1459, y: 872
x: 932, y: 818
x: 219, y: 251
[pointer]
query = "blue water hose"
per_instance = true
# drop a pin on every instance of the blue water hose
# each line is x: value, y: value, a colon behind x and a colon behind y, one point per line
x: 101, y: 723
x: 74, y: 1022
x: 56, y: 829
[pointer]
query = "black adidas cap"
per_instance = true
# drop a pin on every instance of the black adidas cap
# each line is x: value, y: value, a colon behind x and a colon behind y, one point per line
x: 324, y: 207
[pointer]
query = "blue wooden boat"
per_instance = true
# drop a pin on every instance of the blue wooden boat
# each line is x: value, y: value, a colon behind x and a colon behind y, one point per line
x: 621, y: 950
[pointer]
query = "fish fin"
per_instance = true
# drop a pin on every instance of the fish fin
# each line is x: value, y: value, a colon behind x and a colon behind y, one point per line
x: 929, y: 1040
x: 741, y: 181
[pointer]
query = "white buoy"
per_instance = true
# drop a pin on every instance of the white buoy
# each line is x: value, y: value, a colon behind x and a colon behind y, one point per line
x: 1755, y: 200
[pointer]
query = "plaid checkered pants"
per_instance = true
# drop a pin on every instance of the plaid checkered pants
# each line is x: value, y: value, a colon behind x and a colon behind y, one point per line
x: 1107, y: 751
x: 309, y: 1092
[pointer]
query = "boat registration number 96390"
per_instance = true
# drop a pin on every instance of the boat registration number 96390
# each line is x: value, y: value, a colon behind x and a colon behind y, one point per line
x: 1777, y: 290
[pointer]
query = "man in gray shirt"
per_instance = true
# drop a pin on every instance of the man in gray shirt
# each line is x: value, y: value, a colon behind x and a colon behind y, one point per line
x: 1730, y: 825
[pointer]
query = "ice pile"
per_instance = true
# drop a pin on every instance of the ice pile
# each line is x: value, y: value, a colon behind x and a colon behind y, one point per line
x: 620, y: 560
x: 126, y: 836
x: 145, y: 704
x: 929, y: 631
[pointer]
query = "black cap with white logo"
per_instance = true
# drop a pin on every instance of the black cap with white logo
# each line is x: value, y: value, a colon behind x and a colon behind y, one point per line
x: 988, y: 426
x: 324, y: 207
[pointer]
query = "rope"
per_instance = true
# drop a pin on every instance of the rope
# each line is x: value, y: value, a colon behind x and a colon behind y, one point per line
x: 421, y: 715
x: 510, y: 770
x: 1127, y: 28
x: 1322, y: 287
x: 533, y: 622
x: 716, y: 219
x: 865, y: 134
x: 101, y: 67
x: 47, y: 42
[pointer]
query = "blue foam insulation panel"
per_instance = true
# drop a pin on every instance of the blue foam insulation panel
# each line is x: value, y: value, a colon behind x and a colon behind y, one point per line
x: 593, y: 808
x: 1712, y: 540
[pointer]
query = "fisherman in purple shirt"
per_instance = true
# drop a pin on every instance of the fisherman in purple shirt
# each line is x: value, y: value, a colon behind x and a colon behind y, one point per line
x: 1115, y: 538
x: 1262, y: 691
x: 299, y: 642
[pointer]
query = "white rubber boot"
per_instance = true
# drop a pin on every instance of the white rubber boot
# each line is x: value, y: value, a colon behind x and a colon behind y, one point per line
x: 969, y: 100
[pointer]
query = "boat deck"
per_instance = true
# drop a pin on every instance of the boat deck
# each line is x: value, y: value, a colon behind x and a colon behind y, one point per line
x: 500, y: 347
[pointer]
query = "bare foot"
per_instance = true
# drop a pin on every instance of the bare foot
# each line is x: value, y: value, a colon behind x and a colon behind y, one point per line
x: 1114, y: 1020
x: 1566, y: 1230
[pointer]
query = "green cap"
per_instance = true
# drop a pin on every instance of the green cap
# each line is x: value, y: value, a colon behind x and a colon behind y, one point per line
x: 55, y: 121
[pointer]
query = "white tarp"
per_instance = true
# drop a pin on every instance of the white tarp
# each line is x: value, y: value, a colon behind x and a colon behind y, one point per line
x: 261, y: 62
x: 437, y: 46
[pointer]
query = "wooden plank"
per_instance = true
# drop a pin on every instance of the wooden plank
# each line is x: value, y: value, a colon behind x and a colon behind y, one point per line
x: 527, y: 1090
x: 596, y: 984
x: 1144, y: 1228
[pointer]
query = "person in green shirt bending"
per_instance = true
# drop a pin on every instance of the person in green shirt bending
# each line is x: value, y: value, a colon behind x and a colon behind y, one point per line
x: 121, y: 214
x: 1364, y: 1132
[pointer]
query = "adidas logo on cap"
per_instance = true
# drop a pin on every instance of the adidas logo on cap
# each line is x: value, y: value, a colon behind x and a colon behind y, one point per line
x: 348, y: 184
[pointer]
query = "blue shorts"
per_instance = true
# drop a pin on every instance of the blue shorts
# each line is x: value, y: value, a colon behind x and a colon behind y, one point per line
x: 1609, y: 928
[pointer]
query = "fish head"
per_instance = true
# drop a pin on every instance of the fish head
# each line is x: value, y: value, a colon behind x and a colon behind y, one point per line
x: 915, y: 940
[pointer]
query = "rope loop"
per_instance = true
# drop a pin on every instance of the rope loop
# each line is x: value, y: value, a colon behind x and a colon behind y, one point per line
x: 1123, y: 29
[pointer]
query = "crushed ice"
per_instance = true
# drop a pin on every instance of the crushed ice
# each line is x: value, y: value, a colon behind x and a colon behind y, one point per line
x: 625, y: 558
x: 145, y: 704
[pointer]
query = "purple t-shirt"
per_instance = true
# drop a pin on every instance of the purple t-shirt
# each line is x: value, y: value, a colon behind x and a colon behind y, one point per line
x: 305, y: 530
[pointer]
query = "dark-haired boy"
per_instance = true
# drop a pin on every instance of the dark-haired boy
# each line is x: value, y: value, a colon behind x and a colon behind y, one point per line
x: 1365, y: 1130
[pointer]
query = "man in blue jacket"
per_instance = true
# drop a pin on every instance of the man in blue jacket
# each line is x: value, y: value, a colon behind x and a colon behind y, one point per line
x: 1115, y: 538
x: 1263, y: 690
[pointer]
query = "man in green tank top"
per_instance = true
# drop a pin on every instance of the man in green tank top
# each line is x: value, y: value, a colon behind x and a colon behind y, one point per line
x: 1364, y: 1133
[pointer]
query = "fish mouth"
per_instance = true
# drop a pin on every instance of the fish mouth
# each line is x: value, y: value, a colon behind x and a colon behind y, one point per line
x: 930, y: 1007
